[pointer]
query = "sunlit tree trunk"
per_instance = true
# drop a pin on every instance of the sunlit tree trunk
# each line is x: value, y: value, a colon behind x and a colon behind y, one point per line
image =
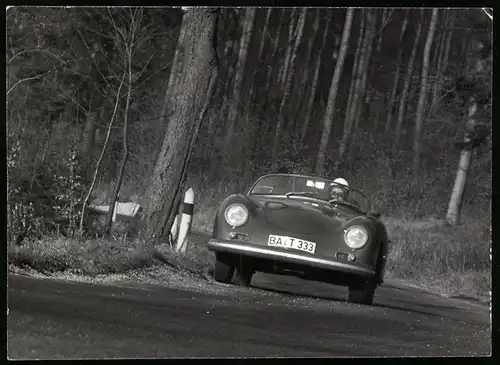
x: 304, y: 86
x: 332, y: 96
x: 314, y: 84
x: 453, y: 213
x: 348, y: 124
x: 419, y: 117
x: 288, y: 85
x: 399, y: 60
x: 288, y: 55
x: 199, y: 80
x: 406, y: 85
x: 240, y: 71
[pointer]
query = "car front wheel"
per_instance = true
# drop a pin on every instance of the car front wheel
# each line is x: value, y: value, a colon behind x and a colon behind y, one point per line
x: 223, y: 269
x: 361, y: 292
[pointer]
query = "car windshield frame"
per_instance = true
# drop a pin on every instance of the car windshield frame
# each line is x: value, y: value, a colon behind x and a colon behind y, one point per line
x: 310, y: 195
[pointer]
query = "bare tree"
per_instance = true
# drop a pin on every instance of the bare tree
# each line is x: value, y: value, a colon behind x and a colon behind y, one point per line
x: 129, y: 45
x: 288, y: 84
x: 332, y: 96
x: 96, y: 171
x: 348, y: 124
x: 314, y: 84
x: 199, y: 79
x: 399, y: 60
x: 423, y: 91
x: 407, y: 84
x: 240, y: 71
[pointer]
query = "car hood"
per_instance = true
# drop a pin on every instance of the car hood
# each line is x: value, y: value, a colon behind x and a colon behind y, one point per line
x: 303, y: 216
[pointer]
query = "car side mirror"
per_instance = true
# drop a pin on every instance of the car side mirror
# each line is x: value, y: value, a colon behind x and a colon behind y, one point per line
x: 374, y: 214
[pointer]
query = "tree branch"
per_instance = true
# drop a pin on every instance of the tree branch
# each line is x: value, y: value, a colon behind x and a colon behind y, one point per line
x: 28, y: 79
x: 35, y: 50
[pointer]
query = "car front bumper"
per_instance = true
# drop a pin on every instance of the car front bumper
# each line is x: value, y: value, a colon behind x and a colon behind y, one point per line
x: 262, y: 252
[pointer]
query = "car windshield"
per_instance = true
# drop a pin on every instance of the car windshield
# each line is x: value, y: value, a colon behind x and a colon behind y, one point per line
x: 297, y: 186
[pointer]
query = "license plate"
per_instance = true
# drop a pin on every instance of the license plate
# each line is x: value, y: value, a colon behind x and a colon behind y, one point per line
x: 290, y: 242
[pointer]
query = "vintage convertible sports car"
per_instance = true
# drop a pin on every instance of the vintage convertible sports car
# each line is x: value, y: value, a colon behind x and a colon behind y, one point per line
x: 287, y: 224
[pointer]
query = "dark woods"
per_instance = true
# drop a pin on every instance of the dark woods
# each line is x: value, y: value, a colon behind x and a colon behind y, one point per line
x: 131, y: 94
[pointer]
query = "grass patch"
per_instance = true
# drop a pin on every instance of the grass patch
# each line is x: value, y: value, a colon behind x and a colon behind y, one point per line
x: 450, y: 260
x: 86, y: 257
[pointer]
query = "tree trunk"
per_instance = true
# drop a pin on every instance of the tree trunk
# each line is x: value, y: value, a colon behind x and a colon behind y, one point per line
x: 444, y: 66
x: 223, y: 90
x: 356, y: 97
x: 436, y: 60
x: 332, y: 96
x: 406, y: 85
x: 251, y: 98
x: 240, y: 71
x: 173, y: 78
x: 370, y: 34
x: 88, y: 141
x: 291, y: 29
x: 199, y: 79
x: 314, y: 85
x: 355, y: 64
x: 288, y: 85
x: 273, y: 59
x: 453, y: 213
x: 303, y: 87
x: 423, y: 91
x: 383, y: 23
x: 442, y: 62
x: 388, y: 123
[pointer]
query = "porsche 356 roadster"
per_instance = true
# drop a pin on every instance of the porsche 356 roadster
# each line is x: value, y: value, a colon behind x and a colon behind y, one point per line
x: 292, y: 225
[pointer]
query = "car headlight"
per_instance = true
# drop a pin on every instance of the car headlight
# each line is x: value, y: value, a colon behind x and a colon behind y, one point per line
x: 236, y: 215
x: 356, y: 236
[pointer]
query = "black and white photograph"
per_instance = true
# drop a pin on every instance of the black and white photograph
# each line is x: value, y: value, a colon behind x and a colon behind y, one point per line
x: 248, y: 182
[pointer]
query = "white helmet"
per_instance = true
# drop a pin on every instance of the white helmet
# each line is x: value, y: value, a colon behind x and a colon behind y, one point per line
x: 340, y: 181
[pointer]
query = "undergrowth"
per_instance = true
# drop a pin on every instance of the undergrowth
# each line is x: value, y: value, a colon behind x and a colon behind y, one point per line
x: 88, y: 257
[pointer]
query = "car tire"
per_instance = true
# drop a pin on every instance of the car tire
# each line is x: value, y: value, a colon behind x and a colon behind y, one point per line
x: 361, y: 292
x: 223, y: 270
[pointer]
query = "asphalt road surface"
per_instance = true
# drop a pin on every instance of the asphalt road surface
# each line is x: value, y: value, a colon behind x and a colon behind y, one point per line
x: 49, y: 319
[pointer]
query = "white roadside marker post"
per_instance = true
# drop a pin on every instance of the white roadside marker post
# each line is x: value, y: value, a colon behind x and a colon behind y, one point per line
x: 174, y: 230
x: 186, y: 218
x: 116, y: 208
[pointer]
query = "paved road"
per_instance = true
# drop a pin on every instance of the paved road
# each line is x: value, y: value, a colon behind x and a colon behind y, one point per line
x: 51, y: 319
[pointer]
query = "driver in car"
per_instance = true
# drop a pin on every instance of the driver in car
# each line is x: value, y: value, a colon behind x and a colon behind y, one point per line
x: 339, y: 190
